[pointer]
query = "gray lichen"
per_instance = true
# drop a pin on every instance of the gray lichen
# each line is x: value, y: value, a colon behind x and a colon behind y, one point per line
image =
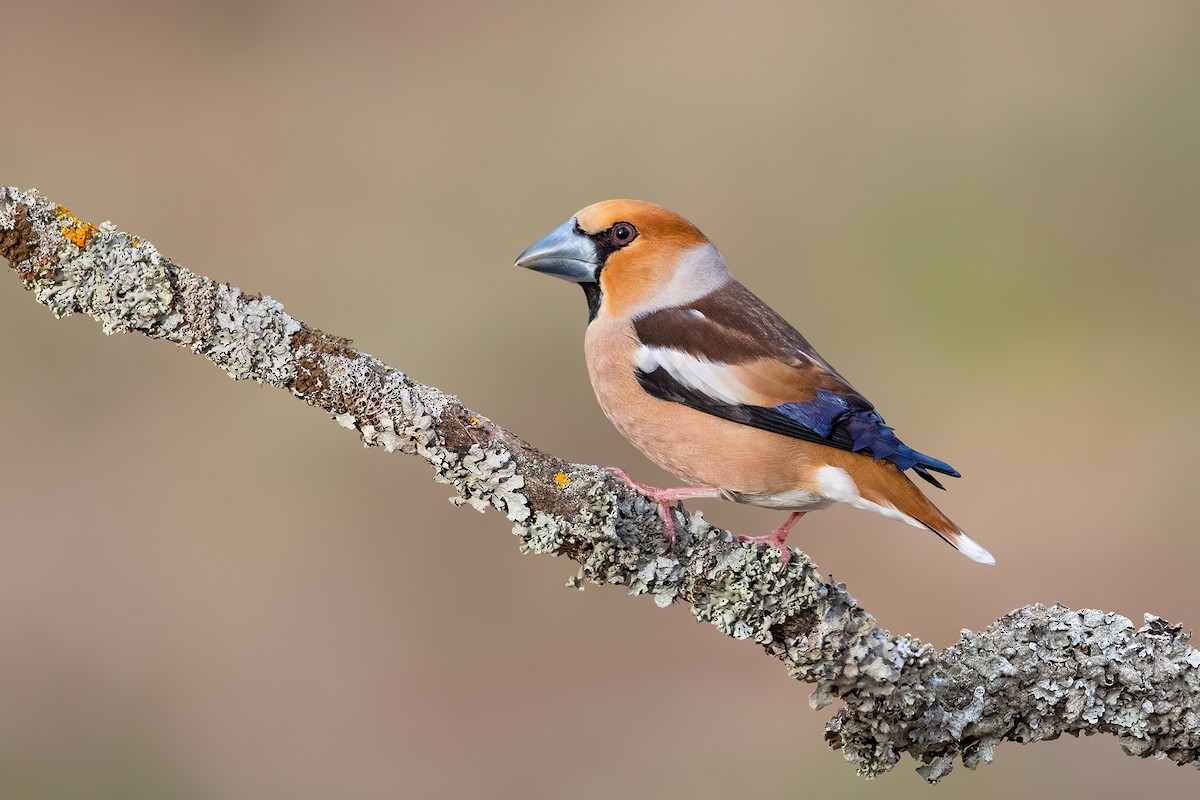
x: 1034, y: 675
x: 252, y: 337
x: 114, y: 280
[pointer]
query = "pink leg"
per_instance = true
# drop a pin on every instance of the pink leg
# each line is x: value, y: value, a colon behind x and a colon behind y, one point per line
x: 777, y: 537
x: 664, y: 498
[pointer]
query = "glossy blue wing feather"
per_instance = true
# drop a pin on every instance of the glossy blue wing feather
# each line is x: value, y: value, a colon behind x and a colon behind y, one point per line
x: 845, y: 421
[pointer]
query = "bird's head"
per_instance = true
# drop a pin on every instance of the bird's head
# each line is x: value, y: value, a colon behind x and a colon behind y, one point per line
x: 631, y: 257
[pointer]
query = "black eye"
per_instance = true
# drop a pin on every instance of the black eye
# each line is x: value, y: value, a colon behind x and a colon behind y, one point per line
x: 622, y: 234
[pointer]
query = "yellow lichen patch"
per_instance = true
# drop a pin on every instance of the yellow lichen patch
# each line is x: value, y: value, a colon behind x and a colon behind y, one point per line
x: 563, y: 480
x: 78, y: 232
x: 475, y: 423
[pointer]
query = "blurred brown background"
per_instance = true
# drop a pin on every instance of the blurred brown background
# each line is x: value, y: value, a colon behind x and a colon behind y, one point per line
x: 986, y: 217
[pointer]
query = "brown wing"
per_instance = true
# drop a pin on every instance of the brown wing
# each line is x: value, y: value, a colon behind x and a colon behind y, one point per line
x: 730, y: 355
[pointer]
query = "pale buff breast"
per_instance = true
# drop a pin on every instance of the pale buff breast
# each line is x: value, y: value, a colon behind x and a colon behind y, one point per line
x: 750, y: 465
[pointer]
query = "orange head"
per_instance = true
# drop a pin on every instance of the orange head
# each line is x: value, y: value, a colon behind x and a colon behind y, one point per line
x: 630, y: 257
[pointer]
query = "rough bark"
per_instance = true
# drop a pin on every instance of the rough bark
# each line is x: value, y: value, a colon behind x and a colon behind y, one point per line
x: 1031, y: 676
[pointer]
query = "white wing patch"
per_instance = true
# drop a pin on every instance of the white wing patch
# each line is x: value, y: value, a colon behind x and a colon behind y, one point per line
x: 702, y: 376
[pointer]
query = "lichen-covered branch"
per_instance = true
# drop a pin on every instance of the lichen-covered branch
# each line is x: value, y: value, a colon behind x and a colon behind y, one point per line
x: 1033, y: 675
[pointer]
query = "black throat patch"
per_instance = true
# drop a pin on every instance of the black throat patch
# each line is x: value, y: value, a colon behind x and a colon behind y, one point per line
x: 591, y: 291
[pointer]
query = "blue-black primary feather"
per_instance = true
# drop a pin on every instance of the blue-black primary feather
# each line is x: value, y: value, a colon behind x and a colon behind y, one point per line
x: 847, y: 422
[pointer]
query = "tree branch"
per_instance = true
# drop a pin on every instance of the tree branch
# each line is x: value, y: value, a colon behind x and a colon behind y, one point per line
x: 1032, y: 676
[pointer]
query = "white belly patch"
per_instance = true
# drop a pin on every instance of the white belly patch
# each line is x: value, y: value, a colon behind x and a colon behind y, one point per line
x: 792, y: 500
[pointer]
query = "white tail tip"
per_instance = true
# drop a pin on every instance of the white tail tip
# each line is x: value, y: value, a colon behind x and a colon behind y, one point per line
x: 972, y: 549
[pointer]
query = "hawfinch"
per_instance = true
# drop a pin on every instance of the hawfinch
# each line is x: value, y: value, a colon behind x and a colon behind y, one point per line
x: 717, y: 388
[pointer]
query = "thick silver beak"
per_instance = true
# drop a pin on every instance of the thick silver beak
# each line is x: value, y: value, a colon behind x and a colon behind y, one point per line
x: 564, y: 253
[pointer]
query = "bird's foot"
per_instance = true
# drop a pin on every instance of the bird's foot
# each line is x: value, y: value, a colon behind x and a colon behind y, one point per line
x: 777, y: 538
x: 664, y: 497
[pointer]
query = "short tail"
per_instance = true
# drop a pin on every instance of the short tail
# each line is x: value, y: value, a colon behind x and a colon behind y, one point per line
x: 888, y: 491
x: 967, y: 546
x: 931, y: 517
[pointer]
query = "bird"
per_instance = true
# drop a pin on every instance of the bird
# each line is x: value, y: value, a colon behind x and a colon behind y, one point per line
x: 714, y: 386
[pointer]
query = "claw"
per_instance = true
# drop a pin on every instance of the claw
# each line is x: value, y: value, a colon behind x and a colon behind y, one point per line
x: 777, y: 538
x: 664, y: 497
